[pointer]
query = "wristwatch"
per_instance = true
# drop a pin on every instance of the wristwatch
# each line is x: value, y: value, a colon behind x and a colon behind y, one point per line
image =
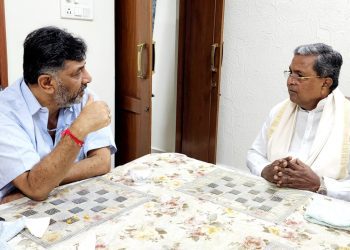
x: 322, y: 189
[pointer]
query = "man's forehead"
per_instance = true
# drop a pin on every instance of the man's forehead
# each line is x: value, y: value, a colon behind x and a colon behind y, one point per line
x: 68, y: 64
x: 302, y: 61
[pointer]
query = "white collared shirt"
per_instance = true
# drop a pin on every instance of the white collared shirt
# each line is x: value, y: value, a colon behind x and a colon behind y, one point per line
x: 24, y: 139
x: 304, y: 135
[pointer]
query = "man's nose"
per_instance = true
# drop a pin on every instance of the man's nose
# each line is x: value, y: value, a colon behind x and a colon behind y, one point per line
x: 291, y: 80
x: 86, y: 77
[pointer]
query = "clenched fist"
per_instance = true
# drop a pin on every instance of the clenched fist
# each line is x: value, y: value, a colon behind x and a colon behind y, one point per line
x: 94, y: 116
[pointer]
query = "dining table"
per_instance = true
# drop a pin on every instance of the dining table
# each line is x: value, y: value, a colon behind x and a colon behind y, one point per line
x: 172, y: 201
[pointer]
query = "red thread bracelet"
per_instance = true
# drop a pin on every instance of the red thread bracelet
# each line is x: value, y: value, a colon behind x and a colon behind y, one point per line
x: 70, y: 134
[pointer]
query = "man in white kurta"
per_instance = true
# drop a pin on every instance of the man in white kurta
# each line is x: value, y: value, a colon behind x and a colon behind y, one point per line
x: 305, y: 143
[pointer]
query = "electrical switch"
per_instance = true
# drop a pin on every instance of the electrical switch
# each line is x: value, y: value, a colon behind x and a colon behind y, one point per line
x: 77, y: 9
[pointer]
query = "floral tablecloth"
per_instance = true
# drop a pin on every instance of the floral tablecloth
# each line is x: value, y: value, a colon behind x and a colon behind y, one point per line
x: 176, y: 220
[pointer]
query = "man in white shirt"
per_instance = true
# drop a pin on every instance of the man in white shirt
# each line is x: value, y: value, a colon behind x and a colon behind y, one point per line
x: 53, y: 130
x: 305, y: 141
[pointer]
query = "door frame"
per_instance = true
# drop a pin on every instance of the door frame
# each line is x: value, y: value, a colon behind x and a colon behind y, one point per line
x: 180, y: 75
x: 3, y: 48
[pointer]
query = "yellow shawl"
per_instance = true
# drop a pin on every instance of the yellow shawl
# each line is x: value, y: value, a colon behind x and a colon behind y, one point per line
x: 329, y: 154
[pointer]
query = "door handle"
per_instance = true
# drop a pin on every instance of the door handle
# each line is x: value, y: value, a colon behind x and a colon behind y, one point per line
x: 153, y: 56
x: 213, y: 51
x: 140, y: 73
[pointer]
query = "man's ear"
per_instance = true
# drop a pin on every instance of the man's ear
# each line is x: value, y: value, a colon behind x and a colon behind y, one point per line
x: 46, y: 83
x: 327, y: 82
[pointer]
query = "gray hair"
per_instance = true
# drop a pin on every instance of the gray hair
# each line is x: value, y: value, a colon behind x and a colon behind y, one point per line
x: 328, y: 61
x: 51, y: 70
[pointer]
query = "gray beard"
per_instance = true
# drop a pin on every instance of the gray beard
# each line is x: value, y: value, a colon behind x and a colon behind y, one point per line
x: 64, y: 98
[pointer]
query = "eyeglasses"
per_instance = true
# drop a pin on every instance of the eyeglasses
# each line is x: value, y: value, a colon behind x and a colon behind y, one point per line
x: 288, y: 73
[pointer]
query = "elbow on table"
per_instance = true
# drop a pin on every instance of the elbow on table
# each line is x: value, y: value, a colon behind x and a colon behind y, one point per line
x: 105, y: 165
x: 37, y: 195
x: 105, y: 168
x: 32, y: 187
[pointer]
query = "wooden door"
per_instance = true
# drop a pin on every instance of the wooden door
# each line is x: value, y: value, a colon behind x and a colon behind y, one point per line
x: 133, y: 43
x: 200, y: 53
x: 3, y: 52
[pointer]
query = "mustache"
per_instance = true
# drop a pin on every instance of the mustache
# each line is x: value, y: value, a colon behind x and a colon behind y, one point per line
x: 83, y: 87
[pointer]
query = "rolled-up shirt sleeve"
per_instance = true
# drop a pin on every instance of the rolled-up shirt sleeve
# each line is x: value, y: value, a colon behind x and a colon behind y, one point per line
x: 99, y: 139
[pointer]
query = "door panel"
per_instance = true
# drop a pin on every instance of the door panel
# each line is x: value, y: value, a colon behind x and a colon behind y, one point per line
x: 133, y: 92
x: 198, y: 84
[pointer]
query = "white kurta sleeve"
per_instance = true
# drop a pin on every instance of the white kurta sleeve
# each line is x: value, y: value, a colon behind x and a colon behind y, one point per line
x: 257, y: 154
x: 339, y: 189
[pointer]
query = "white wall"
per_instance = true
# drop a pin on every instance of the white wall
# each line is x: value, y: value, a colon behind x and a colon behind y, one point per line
x: 25, y: 16
x: 260, y: 36
x: 165, y: 76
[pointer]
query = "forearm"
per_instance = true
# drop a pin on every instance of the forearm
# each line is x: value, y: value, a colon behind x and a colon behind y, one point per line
x: 11, y: 197
x: 97, y: 163
x: 49, y: 172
